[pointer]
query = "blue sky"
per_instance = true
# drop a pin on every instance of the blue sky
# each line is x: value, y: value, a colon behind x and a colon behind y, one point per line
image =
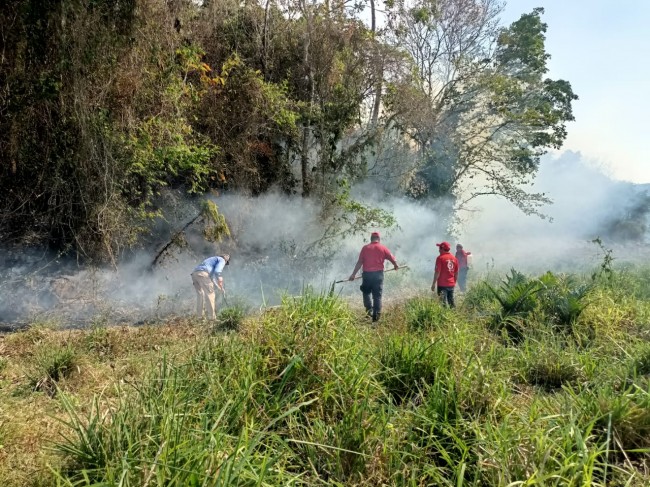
x: 602, y: 48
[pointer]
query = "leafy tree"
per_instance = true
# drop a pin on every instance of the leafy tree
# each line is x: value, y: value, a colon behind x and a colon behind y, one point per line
x: 477, y: 103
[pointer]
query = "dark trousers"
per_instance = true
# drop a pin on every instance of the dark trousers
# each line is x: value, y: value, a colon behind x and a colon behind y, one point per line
x: 372, y: 284
x: 447, y: 296
x: 462, y: 279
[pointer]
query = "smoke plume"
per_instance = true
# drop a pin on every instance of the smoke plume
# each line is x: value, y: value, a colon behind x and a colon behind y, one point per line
x: 275, y: 249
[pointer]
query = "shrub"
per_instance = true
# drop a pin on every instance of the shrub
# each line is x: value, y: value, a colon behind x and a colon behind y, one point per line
x: 563, y: 299
x: 517, y: 299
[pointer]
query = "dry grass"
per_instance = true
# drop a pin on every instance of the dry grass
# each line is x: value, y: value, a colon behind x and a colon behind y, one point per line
x: 105, y: 357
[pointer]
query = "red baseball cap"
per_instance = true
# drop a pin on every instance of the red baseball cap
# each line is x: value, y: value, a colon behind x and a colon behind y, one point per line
x: 444, y: 245
x: 374, y: 234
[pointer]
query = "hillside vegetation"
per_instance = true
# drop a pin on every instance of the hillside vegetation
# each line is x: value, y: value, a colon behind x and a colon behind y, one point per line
x: 104, y: 103
x: 533, y: 380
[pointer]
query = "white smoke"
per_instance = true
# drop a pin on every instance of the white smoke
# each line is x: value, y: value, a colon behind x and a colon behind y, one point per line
x: 585, y: 201
x: 271, y: 234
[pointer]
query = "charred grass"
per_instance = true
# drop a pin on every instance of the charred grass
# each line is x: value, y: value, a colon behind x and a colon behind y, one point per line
x: 310, y: 393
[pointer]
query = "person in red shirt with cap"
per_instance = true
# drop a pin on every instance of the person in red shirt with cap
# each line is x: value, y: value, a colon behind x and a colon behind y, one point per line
x: 445, y: 275
x: 371, y: 259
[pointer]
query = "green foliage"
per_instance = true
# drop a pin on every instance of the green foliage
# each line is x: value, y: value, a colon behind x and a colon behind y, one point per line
x: 480, y: 297
x: 441, y: 435
x: 231, y: 318
x: 640, y: 366
x: 356, y: 216
x: 424, y: 313
x: 563, y: 300
x: 120, y: 100
x: 620, y: 418
x: 410, y: 364
x: 112, y: 130
x: 157, y: 158
x: 306, y: 394
x: 215, y: 227
x: 307, y: 403
x: 522, y: 44
x: 344, y: 217
x: 517, y: 299
x: 51, y: 365
x: 522, y: 303
x: 551, y: 369
x: 499, y: 113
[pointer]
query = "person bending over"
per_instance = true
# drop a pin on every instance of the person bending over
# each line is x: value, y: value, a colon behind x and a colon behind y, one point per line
x: 205, y: 277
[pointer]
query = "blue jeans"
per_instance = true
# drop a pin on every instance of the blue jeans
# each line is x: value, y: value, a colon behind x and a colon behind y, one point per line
x: 446, y: 296
x: 372, y: 284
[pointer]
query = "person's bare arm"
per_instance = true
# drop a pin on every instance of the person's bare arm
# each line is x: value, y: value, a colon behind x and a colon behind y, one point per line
x: 392, y: 260
x: 356, y: 269
x: 434, y: 284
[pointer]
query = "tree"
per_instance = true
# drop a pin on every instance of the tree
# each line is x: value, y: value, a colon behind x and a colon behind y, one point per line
x: 477, y: 104
x: 94, y: 121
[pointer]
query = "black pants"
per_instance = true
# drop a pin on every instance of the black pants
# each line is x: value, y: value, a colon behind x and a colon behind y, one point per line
x: 372, y: 284
x: 447, y: 296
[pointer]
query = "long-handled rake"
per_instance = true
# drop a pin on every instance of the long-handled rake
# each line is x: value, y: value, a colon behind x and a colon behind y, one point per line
x: 360, y: 276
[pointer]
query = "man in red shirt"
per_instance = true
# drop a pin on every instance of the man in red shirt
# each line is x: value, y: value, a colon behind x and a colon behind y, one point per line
x: 463, y: 266
x: 445, y: 275
x: 371, y: 259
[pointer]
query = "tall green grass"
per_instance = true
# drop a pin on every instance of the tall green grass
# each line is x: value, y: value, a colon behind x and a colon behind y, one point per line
x: 308, y: 394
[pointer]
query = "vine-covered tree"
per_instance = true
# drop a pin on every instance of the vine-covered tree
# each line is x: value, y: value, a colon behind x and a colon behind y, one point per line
x: 94, y: 102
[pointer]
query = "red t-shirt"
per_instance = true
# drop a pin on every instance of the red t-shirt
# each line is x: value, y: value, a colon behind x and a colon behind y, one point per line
x: 447, y: 267
x: 461, y: 255
x: 372, y: 257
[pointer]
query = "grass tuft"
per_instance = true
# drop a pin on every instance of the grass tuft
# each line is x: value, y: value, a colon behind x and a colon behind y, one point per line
x: 424, y: 313
x: 51, y: 365
x: 409, y: 365
x: 230, y: 319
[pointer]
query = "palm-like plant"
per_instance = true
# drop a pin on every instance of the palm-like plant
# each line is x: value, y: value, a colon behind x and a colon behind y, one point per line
x: 564, y: 299
x: 516, y: 297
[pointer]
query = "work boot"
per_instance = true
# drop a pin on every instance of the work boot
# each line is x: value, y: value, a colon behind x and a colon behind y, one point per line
x: 375, y: 317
